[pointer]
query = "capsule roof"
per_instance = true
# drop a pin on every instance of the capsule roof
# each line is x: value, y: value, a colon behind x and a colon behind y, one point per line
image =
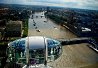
x: 34, y: 42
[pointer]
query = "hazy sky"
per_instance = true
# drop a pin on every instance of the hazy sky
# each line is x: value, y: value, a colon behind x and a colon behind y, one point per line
x: 88, y: 4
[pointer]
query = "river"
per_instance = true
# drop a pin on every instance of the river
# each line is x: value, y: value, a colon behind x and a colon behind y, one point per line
x: 75, y: 56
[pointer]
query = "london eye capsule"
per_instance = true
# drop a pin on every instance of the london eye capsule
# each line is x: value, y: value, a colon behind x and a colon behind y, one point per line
x: 34, y: 50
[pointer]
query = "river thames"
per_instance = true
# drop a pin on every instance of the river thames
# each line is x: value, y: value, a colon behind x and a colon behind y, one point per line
x: 76, y: 56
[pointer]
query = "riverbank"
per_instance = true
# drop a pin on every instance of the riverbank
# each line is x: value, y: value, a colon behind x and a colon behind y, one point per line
x: 75, y: 56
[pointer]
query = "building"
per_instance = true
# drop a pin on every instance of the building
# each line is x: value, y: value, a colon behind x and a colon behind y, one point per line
x: 2, y: 26
x: 13, y: 29
x: 3, y: 10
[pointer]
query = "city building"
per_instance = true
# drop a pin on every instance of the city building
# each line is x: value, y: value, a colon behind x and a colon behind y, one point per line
x: 13, y: 29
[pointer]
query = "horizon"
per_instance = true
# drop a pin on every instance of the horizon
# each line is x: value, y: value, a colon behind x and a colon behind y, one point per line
x: 81, y: 4
x: 50, y: 6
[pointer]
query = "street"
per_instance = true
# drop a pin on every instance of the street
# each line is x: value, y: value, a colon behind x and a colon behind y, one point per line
x: 75, y: 56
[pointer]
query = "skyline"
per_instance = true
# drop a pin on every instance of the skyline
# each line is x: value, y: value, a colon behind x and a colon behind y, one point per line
x: 83, y: 4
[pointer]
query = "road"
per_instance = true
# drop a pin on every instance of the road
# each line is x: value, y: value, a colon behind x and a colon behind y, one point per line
x: 75, y: 56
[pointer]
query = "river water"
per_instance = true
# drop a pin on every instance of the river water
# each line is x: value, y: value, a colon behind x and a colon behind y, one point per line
x: 76, y: 56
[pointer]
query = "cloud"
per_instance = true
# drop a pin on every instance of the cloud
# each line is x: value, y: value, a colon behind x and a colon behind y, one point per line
x: 85, y: 4
x: 89, y: 4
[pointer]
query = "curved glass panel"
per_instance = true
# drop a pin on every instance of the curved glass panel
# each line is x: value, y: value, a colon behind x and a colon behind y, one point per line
x: 54, y: 49
x: 36, y: 56
x: 15, y: 54
x: 16, y: 50
x: 52, y: 43
x: 20, y: 43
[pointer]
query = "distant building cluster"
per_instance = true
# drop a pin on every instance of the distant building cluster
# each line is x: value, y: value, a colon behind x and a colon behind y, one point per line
x: 13, y: 19
x: 13, y: 29
x: 10, y: 29
x: 82, y: 22
x: 11, y: 22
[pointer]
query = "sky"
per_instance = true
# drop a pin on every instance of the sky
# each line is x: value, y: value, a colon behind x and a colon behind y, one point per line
x: 84, y: 4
